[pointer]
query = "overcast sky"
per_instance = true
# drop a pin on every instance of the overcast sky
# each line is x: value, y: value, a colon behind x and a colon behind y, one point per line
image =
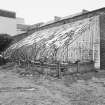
x: 34, y: 11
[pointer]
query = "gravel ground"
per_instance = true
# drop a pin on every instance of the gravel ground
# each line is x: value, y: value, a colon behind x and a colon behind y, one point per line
x: 81, y: 89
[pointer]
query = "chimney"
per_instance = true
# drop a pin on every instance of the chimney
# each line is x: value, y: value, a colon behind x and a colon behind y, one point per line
x: 84, y: 11
x: 56, y: 18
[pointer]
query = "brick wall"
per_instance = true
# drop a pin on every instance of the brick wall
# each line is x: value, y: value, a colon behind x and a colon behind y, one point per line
x: 71, y: 19
x: 102, y: 41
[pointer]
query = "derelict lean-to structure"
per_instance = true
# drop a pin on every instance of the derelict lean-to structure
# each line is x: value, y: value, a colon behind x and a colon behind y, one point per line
x: 67, y: 41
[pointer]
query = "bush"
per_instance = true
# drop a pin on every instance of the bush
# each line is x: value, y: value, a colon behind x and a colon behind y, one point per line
x: 3, y: 61
x: 5, y: 41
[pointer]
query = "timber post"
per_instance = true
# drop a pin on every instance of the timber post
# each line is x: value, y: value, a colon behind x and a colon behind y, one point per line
x: 77, y: 65
x: 59, y: 71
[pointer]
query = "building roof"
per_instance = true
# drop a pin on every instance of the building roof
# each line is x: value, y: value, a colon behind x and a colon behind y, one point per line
x: 8, y: 14
x: 23, y: 27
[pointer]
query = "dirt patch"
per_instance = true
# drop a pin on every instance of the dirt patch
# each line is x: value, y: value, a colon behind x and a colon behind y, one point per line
x: 78, y: 89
